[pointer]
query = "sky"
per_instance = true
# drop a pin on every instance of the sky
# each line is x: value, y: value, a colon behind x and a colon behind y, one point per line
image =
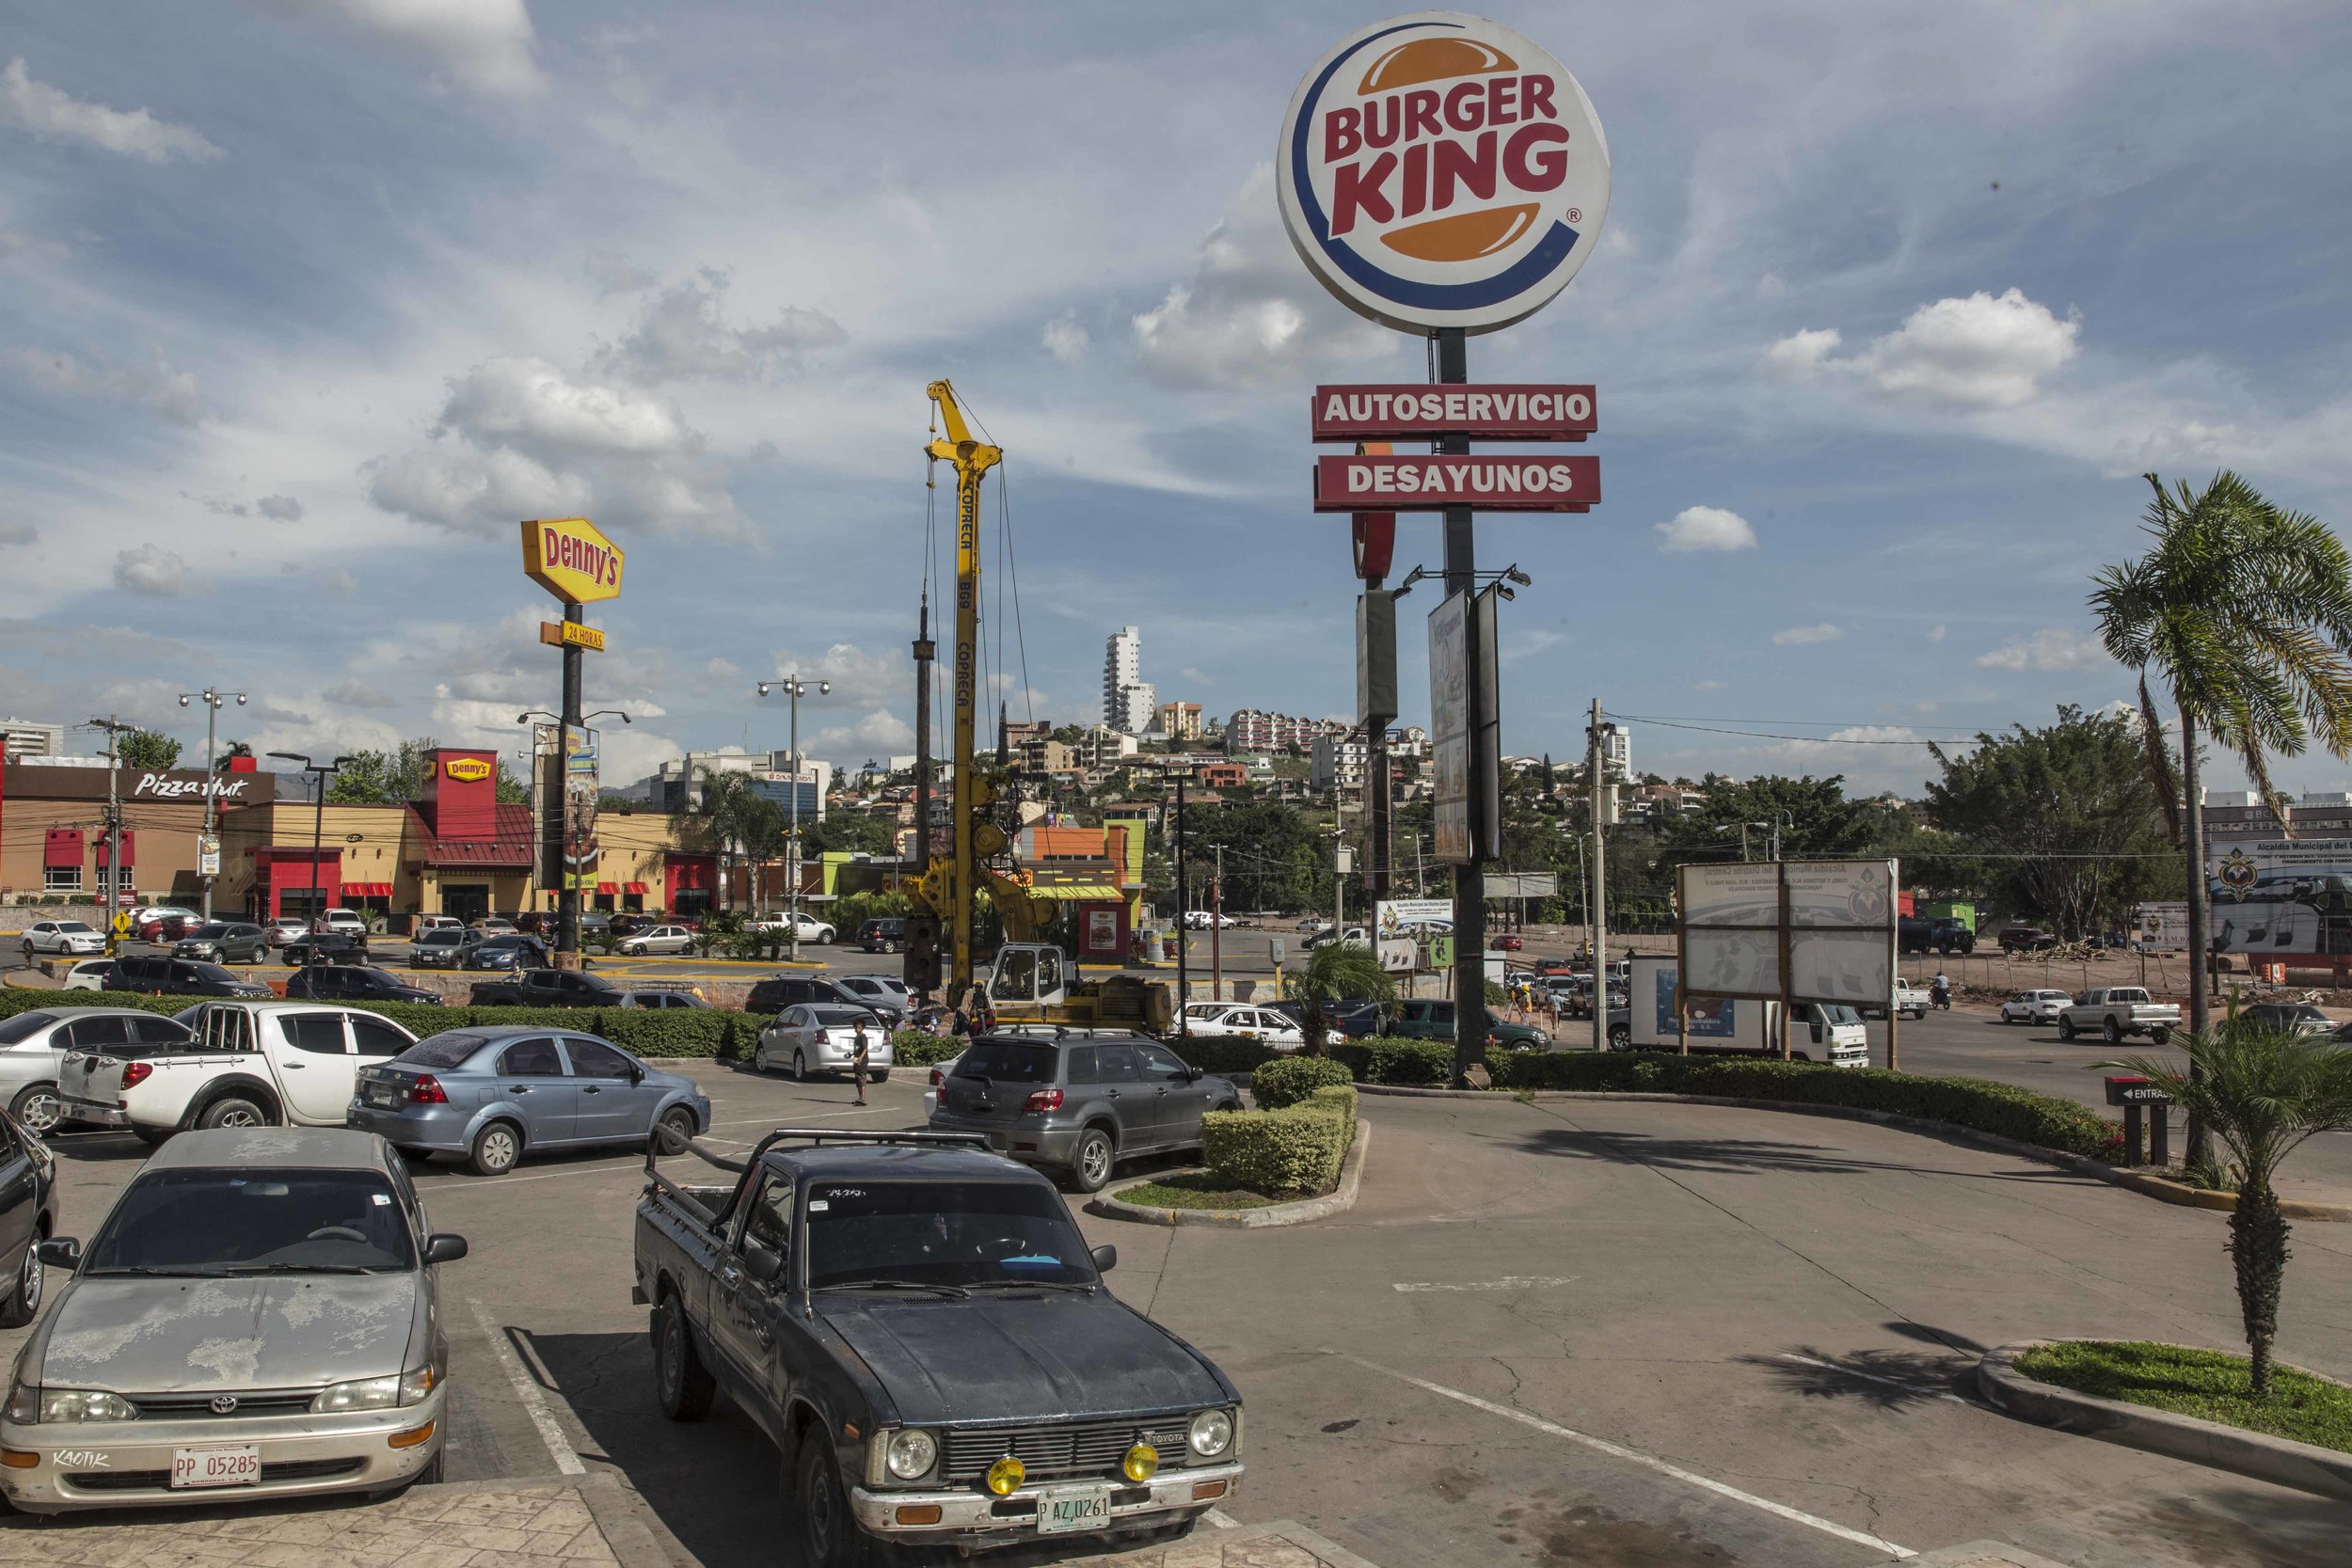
x: 305, y: 303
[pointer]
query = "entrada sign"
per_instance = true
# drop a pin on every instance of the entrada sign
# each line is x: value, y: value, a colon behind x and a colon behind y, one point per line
x: 571, y: 559
x: 1490, y: 484
x: 1439, y: 171
x: 1483, y: 413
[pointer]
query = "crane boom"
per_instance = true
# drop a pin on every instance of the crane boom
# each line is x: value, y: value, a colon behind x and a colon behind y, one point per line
x: 972, y: 460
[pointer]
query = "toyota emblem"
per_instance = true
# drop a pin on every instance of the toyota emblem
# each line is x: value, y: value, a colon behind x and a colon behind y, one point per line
x: 224, y: 1403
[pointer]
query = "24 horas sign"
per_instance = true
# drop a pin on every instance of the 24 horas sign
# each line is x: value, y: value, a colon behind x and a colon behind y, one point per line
x: 1440, y: 170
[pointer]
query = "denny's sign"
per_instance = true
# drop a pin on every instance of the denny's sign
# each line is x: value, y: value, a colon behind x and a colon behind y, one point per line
x: 571, y: 559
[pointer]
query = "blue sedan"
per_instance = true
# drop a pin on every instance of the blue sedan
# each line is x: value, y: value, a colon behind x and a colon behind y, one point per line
x: 494, y: 1093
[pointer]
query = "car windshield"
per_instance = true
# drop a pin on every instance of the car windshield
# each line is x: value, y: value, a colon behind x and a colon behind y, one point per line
x: 1837, y: 1012
x: 229, y: 1222
x: 24, y: 1026
x: 840, y: 1018
x: 442, y: 1052
x: 442, y: 936
x: 968, y: 1234
x: 1001, y: 1061
x: 210, y: 972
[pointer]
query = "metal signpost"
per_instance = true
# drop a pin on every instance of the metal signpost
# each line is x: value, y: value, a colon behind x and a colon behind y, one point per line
x: 571, y: 557
x: 1442, y: 176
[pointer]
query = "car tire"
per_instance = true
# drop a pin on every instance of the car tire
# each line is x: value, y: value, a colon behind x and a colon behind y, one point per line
x: 37, y: 1108
x: 24, y: 1293
x: 759, y: 1057
x: 682, y: 1385
x: 2066, y: 1027
x: 153, y: 1137
x: 2113, y: 1031
x: 2161, y: 1036
x: 880, y: 1075
x: 496, y: 1149
x: 235, y: 1110
x: 829, y: 1537
x: 1093, y: 1160
x: 678, y: 1119
x: 1620, y: 1036
x: 800, y: 1068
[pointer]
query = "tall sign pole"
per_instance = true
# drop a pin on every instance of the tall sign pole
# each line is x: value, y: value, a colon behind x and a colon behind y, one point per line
x: 571, y: 559
x: 1443, y: 176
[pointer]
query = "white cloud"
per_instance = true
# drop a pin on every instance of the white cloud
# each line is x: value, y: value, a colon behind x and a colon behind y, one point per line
x: 483, y: 44
x: 51, y: 114
x: 1252, y: 314
x: 1705, y: 528
x: 527, y: 403
x: 615, y: 274
x: 858, y: 677
x: 152, y: 570
x: 878, y: 734
x: 1197, y: 677
x: 2051, y: 648
x: 681, y: 337
x: 455, y: 486
x: 168, y: 394
x: 1825, y: 632
x: 17, y: 533
x: 1979, y: 352
x: 1935, y: 633
x: 358, y: 693
x: 1064, y: 338
x: 279, y: 509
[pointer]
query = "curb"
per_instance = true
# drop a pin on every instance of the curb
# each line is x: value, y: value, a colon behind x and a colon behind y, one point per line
x: 2281, y: 1461
x: 2147, y: 1186
x: 1338, y: 1201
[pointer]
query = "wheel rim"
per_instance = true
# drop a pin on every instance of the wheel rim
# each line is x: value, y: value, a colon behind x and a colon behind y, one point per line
x: 816, y: 1508
x: 1095, y: 1162
x: 29, y: 1278
x: 498, y: 1149
x: 239, y: 1117
x: 669, y: 1361
x: 40, y: 1114
x: 800, y: 1068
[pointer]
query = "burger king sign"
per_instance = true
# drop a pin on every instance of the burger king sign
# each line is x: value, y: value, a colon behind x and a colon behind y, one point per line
x: 1439, y: 171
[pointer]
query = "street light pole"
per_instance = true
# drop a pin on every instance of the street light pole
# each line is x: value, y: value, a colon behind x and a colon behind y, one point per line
x: 319, y: 772
x: 1183, y: 915
x: 114, y: 728
x: 793, y: 687
x: 213, y: 701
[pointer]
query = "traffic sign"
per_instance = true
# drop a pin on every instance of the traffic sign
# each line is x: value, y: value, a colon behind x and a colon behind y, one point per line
x: 1487, y: 484
x: 571, y: 634
x: 122, y: 923
x: 571, y: 559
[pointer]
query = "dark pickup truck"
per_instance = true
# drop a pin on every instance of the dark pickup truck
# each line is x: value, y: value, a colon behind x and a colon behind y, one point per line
x: 920, y: 1327
x: 548, y: 988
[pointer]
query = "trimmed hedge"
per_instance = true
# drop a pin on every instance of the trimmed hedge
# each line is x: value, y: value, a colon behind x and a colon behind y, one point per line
x: 921, y: 1048
x: 1410, y: 1062
x: 2001, y: 1109
x: 1223, y: 1052
x: 1292, y: 1152
x: 1282, y: 1084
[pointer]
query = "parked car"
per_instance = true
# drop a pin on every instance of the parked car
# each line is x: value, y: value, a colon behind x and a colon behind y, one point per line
x: 810, y: 928
x: 1080, y: 1103
x: 495, y: 1093
x: 163, y: 922
x: 2035, y: 1007
x: 2028, y: 939
x: 87, y: 974
x: 2287, y: 1018
x: 441, y: 947
x: 1944, y: 934
x: 285, y: 929
x: 436, y: 923
x: 821, y: 1036
x: 243, y: 1064
x: 886, y: 994
x: 307, y: 1253
x: 492, y: 926
x: 65, y: 936
x: 657, y: 938
x: 778, y: 992
x: 547, y: 987
x: 155, y: 974
x: 1348, y: 1020
x: 328, y: 982
x: 1313, y: 924
x: 325, y: 947
x: 347, y: 922
x: 938, y: 1076
x: 657, y: 997
x: 1245, y: 1020
x: 2115, y: 1011
x: 595, y: 925
x: 885, y: 934
x: 512, y: 950
x: 890, y: 1287
x: 33, y: 1048
x: 1429, y: 1019
x: 1505, y: 942
x: 230, y: 941
x: 28, y: 1214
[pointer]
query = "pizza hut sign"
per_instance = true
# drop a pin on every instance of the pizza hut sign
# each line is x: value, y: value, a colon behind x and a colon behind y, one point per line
x: 1440, y: 170
x: 163, y: 786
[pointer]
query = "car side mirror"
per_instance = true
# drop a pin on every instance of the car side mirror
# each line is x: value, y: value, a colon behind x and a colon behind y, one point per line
x: 64, y: 1252
x: 762, y: 1262
x: 1192, y: 1074
x: 1106, y: 1258
x: 444, y: 1249
x: 636, y: 1073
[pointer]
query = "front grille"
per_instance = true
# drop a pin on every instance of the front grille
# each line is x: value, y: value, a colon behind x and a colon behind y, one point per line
x: 190, y: 1407
x: 1079, y: 1448
x: 160, y: 1481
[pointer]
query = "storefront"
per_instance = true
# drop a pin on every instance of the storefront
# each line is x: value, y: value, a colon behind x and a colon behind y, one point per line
x: 52, y: 829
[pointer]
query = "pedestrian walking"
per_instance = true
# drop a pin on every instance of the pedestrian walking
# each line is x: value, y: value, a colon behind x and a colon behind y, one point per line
x: 861, y: 1060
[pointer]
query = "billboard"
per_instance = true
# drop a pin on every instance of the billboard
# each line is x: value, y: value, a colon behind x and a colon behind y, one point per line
x: 579, y: 809
x: 2164, y: 926
x: 1395, y: 915
x: 2281, y: 897
x: 1798, y: 931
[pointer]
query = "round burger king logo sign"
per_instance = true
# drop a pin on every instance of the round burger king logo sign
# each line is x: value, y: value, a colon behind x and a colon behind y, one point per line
x: 1440, y: 170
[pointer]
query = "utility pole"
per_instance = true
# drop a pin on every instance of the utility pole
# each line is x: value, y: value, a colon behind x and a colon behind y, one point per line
x: 925, y: 650
x: 319, y: 772
x: 1216, y: 927
x: 114, y: 728
x: 1379, y: 802
x: 1469, y: 883
x: 1183, y: 914
x: 1595, y: 766
x: 794, y: 687
x: 567, y: 895
x: 210, y: 845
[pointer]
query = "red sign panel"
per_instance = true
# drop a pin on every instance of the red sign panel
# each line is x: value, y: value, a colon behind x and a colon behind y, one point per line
x: 1488, y: 483
x: 1533, y: 412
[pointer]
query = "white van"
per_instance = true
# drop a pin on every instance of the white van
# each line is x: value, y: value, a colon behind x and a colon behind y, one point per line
x: 1723, y: 1026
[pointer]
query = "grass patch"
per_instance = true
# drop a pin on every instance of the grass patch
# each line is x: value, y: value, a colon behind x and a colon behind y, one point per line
x: 1194, y: 1190
x: 2209, y: 1385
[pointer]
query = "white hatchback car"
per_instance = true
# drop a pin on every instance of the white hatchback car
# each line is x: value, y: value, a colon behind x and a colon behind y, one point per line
x: 2035, y: 1007
x: 661, y: 939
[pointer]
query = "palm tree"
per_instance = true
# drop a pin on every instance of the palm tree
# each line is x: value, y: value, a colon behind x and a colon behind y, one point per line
x: 2244, y: 611
x: 1335, y: 972
x: 736, y: 817
x: 2262, y: 1093
x: 230, y: 753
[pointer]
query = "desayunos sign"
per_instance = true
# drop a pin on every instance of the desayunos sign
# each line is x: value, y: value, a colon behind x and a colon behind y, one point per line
x: 1440, y: 170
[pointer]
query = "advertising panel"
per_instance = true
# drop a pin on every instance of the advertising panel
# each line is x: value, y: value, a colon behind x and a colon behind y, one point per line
x: 2281, y: 897
x: 1450, y: 728
x: 2164, y: 926
x: 571, y: 559
x: 1399, y: 917
x: 1493, y: 482
x: 1838, y: 935
x: 1486, y: 412
x: 1439, y: 171
x: 579, y: 809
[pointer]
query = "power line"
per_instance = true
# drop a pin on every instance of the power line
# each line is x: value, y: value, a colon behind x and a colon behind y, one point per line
x: 1768, y: 734
x: 1822, y: 723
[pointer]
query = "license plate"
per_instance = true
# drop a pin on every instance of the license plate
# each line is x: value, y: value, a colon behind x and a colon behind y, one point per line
x: 384, y: 1095
x: 226, y: 1464
x: 1071, y: 1508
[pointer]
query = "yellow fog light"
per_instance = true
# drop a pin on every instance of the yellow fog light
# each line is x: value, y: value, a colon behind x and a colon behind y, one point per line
x: 1142, y: 1462
x: 1006, y: 1475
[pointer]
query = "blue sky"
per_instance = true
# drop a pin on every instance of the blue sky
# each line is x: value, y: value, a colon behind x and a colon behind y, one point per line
x: 304, y: 302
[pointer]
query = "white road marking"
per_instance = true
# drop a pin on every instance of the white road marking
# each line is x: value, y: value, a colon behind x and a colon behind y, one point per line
x: 1218, y: 1519
x: 1508, y: 1282
x: 535, y: 1403
x: 1873, y: 1377
x: 1618, y: 1450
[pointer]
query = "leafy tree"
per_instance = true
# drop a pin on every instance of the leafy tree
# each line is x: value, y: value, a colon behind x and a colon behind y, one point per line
x: 2245, y: 613
x: 856, y: 833
x: 2061, y: 820
x: 229, y: 754
x: 149, y: 751
x: 735, y: 816
x: 2262, y: 1093
x: 1335, y: 972
x: 510, y: 789
x: 1816, y: 821
x: 383, y: 778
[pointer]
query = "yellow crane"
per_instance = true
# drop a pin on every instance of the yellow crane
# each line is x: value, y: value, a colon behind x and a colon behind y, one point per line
x: 972, y: 459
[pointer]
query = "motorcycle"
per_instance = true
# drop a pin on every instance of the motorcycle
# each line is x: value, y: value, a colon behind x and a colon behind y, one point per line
x: 1941, y: 999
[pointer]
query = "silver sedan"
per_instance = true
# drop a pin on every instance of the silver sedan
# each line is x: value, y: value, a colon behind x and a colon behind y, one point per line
x: 821, y: 1036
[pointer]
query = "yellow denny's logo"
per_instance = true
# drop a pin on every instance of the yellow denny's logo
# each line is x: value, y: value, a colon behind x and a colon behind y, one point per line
x: 467, y: 770
x: 571, y: 559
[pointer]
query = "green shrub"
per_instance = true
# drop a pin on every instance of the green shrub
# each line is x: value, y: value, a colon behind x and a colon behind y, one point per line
x: 1291, y: 1153
x: 921, y: 1048
x: 2001, y: 1109
x: 1222, y: 1053
x: 1288, y: 1081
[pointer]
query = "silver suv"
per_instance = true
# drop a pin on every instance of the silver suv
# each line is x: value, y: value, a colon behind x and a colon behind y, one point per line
x: 1078, y: 1102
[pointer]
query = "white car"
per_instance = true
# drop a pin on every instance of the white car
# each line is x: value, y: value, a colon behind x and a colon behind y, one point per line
x: 346, y: 923
x: 33, y: 1047
x: 88, y: 974
x: 1202, y: 920
x: 62, y: 937
x: 821, y: 1036
x: 884, y: 991
x: 249, y: 1063
x: 1243, y: 1021
x: 939, y: 1075
x: 437, y: 923
x: 812, y: 928
x: 661, y: 939
x: 2035, y: 1007
x: 281, y: 930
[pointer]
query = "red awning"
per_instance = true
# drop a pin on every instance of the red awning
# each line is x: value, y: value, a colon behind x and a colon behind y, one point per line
x: 638, y: 888
x: 62, y: 847
x: 606, y: 890
x: 367, y: 890
x: 130, y: 848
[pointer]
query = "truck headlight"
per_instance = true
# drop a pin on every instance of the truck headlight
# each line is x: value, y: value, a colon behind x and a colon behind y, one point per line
x: 80, y: 1405
x: 1212, y: 1433
x: 912, y: 1454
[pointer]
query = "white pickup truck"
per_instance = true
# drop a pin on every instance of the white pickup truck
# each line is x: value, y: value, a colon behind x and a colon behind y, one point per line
x: 2112, y: 1012
x: 250, y: 1064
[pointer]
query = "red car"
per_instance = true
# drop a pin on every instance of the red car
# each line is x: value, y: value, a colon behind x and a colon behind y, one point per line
x: 164, y: 924
x: 1506, y: 942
